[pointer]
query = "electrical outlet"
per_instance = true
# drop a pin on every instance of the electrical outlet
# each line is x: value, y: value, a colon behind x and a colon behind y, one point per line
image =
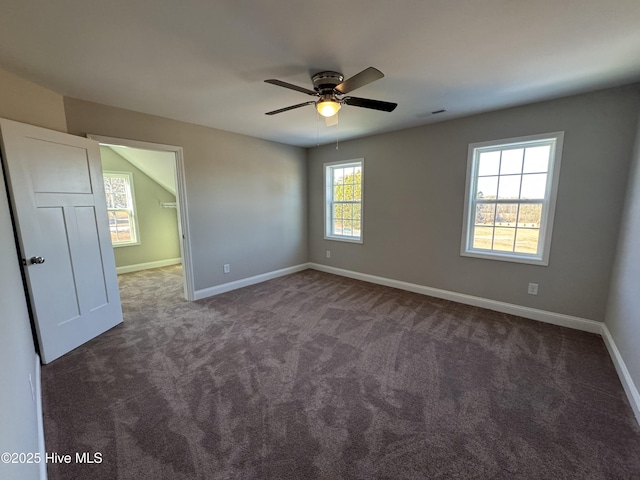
x: 226, y: 268
x: 328, y: 253
x: 533, y: 289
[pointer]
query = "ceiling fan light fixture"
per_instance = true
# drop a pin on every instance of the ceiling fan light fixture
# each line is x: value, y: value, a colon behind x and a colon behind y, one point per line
x: 327, y: 107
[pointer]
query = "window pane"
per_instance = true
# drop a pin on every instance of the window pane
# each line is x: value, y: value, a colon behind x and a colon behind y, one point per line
x: 357, y: 192
x: 503, y: 239
x: 356, y: 229
x: 122, y: 217
x: 116, y: 192
x: 123, y: 226
x: 112, y: 226
x: 348, y: 192
x: 527, y: 240
x: 338, y: 193
x: 338, y: 175
x: 485, y: 213
x: 534, y: 186
x: 347, y: 228
x: 509, y: 187
x: 337, y: 210
x: 530, y: 215
x: 119, y: 195
x: 483, y: 237
x: 506, y: 214
x: 348, y: 175
x: 511, y: 161
x: 357, y: 212
x: 536, y: 159
x: 489, y: 163
x: 487, y: 187
x: 347, y: 211
x: 107, y: 192
x: 337, y: 226
x: 119, y: 226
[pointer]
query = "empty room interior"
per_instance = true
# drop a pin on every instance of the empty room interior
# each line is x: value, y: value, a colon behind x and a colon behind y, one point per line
x: 359, y: 240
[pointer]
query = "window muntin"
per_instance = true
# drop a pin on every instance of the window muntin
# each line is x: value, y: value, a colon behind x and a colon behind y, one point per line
x: 118, y: 189
x: 343, y: 200
x: 510, y: 198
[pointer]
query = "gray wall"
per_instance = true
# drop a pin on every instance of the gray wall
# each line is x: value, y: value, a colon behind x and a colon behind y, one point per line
x: 158, y: 226
x: 247, y: 197
x: 623, y: 313
x: 414, y: 194
x: 24, y: 102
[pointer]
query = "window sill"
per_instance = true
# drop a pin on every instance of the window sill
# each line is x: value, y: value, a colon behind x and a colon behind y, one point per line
x: 131, y: 244
x: 344, y: 239
x: 506, y: 257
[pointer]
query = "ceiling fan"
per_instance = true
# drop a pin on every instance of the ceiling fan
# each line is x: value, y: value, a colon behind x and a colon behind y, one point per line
x: 331, y: 90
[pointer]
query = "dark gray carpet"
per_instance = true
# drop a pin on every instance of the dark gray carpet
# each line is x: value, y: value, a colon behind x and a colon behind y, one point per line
x: 314, y: 376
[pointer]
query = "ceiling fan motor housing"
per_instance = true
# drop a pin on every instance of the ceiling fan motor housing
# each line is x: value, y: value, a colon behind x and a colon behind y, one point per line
x: 325, y: 82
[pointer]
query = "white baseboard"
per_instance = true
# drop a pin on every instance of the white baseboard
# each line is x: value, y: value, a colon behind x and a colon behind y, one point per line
x: 625, y: 378
x: 146, y: 266
x: 41, y: 444
x: 245, y: 282
x: 510, y: 308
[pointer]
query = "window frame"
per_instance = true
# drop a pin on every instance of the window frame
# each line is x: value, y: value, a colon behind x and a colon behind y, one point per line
x: 131, y: 211
x: 555, y: 140
x: 328, y: 199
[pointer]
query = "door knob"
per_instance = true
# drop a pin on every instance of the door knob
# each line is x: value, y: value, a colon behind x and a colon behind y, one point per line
x: 36, y: 260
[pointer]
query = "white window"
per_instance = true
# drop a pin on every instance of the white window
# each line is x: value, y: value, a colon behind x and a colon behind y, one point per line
x: 118, y: 188
x: 510, y: 198
x: 343, y: 200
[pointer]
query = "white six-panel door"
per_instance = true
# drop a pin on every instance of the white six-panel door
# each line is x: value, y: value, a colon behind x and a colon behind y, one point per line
x: 57, y: 193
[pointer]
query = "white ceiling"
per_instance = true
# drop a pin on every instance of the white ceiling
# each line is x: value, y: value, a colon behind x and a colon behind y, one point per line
x: 205, y: 62
x: 159, y: 166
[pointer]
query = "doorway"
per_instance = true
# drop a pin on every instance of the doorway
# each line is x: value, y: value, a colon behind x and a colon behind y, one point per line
x: 162, y: 165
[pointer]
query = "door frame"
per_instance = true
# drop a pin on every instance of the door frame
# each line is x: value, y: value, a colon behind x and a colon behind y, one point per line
x: 181, y: 200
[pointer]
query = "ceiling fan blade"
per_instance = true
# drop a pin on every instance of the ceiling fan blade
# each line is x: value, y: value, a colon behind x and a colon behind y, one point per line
x: 290, y: 108
x: 290, y: 86
x: 368, y: 103
x: 361, y: 79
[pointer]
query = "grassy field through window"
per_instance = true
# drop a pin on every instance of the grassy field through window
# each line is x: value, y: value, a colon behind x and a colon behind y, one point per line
x: 506, y: 238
